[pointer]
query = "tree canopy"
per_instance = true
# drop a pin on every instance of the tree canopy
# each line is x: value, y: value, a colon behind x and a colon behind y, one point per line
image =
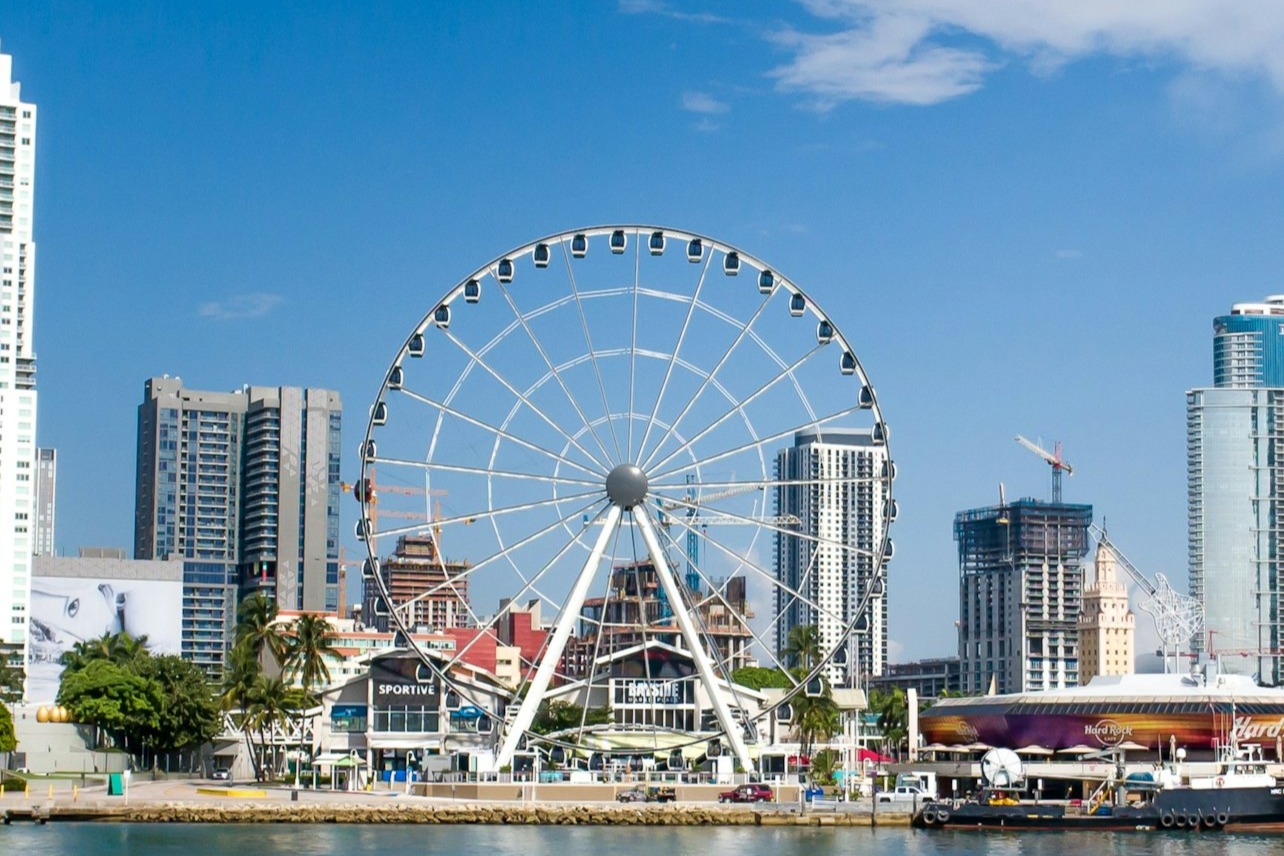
x: 761, y: 678
x: 8, y: 738
x: 161, y: 702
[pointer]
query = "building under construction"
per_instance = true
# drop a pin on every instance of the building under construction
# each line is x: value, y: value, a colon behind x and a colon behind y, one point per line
x: 1021, y: 570
x: 432, y: 589
x: 634, y: 611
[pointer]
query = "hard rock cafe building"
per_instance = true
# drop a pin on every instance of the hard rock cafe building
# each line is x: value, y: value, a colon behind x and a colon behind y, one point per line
x: 1148, y: 715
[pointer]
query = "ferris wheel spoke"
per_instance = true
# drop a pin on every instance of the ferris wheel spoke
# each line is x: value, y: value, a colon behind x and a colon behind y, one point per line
x: 557, y: 643
x: 538, y: 411
x: 762, y: 572
x: 804, y: 581
x: 527, y: 588
x: 695, y: 649
x: 539, y: 346
x: 739, y: 406
x: 761, y: 442
x: 704, y: 384
x: 507, y: 550
x: 483, y: 471
x: 499, y: 432
x: 716, y: 593
x: 487, y: 514
x: 763, y: 484
x: 590, y: 667
x: 774, y: 527
x: 673, y: 358
x: 588, y: 341
x: 633, y: 347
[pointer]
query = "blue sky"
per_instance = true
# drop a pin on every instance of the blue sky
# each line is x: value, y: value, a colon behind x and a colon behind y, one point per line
x: 1024, y: 216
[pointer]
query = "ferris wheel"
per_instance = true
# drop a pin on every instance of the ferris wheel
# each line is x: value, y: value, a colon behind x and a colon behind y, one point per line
x: 633, y: 459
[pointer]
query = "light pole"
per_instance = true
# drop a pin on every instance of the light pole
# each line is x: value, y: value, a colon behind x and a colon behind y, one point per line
x: 410, y: 763
x: 125, y: 777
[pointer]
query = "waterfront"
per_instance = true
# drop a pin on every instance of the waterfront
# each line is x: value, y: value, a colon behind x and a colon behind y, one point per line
x: 211, y: 840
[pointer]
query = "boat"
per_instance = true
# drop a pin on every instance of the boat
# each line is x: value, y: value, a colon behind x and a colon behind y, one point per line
x: 1237, y: 794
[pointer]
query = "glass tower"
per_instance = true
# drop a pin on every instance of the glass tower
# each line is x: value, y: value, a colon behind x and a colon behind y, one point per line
x: 1235, y: 482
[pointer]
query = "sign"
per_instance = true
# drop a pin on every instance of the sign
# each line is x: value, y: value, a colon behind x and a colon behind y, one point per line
x: 653, y: 692
x: 397, y: 682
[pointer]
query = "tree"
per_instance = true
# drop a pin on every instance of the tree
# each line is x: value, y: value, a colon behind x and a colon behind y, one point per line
x: 11, y: 678
x: 310, y: 641
x: 760, y: 677
x: 111, y: 697
x: 802, y: 648
x: 257, y: 629
x: 560, y: 715
x: 120, y: 649
x: 272, y: 704
x: 824, y: 764
x: 8, y: 737
x: 893, y: 719
x: 240, y: 681
x: 189, y: 714
x: 816, y: 719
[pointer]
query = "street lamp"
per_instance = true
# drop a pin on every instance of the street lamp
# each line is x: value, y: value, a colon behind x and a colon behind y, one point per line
x: 125, y: 777
x: 410, y: 763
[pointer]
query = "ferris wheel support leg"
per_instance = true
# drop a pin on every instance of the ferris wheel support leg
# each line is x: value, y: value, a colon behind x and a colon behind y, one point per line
x: 566, y: 619
x: 704, y: 665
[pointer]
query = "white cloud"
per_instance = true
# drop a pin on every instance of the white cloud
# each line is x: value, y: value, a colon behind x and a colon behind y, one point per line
x: 702, y: 102
x: 928, y: 51
x: 240, y: 306
x: 655, y: 7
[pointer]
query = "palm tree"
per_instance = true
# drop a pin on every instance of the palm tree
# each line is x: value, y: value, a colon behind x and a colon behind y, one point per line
x: 893, y: 719
x: 803, y: 646
x: 240, y: 681
x: 816, y: 719
x: 258, y: 630
x: 271, y: 704
x: 310, y: 642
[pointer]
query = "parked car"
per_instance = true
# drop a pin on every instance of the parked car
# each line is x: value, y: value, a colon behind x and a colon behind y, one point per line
x: 747, y: 794
x: 905, y: 793
x: 660, y: 794
x: 221, y: 775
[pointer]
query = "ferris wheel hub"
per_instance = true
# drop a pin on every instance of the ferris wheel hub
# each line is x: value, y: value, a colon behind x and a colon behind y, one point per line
x: 626, y: 486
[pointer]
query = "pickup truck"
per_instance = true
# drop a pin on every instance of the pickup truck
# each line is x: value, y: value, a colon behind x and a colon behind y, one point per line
x: 904, y: 793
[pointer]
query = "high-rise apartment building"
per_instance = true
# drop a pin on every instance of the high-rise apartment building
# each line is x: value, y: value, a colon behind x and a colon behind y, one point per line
x: 1107, y: 627
x: 1020, y: 594
x: 844, y: 503
x: 1235, y: 492
x: 244, y: 487
x: 17, y: 360
x: 46, y: 502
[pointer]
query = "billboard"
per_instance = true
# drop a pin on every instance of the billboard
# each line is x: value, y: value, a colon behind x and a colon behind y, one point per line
x: 66, y: 610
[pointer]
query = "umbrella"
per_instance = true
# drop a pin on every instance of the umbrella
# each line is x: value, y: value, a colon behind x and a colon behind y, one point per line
x: 1034, y: 750
x: 1130, y: 746
x: 977, y: 747
x: 932, y: 747
x: 1079, y: 750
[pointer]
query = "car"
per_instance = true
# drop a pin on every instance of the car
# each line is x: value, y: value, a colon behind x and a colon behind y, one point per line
x: 631, y: 795
x: 661, y: 794
x: 747, y: 794
x: 221, y: 775
x: 905, y: 793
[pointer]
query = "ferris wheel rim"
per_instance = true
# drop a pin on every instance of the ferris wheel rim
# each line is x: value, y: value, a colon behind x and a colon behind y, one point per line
x: 490, y: 269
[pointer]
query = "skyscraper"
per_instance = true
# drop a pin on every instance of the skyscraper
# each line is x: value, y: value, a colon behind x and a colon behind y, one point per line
x: 244, y: 487
x: 1020, y: 594
x: 17, y: 359
x: 46, y: 501
x: 849, y: 509
x: 1235, y: 491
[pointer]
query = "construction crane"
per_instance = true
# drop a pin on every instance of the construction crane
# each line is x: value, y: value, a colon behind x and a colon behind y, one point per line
x: 1179, y: 618
x: 1054, y: 460
x: 369, y: 488
x: 696, y: 525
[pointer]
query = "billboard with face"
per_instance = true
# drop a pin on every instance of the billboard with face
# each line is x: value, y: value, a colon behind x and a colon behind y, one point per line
x: 67, y: 610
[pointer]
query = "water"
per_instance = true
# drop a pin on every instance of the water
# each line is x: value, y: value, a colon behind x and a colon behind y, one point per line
x: 74, y: 839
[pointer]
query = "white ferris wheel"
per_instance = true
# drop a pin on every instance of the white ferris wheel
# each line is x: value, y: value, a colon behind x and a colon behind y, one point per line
x: 590, y: 431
